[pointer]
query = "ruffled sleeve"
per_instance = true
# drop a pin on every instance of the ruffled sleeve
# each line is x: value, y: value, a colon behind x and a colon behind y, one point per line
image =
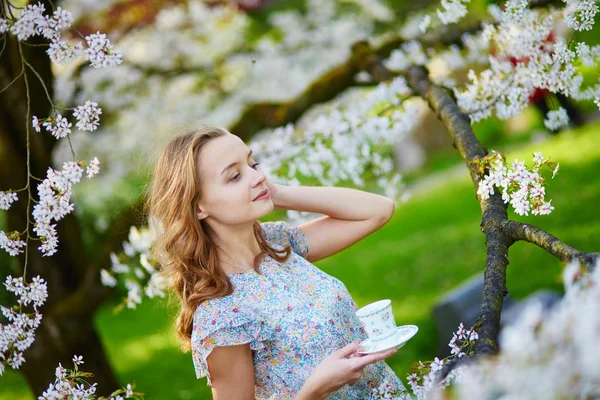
x: 222, y: 324
x: 282, y: 233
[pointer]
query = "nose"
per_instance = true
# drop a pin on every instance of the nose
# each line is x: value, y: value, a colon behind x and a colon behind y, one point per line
x: 259, y: 177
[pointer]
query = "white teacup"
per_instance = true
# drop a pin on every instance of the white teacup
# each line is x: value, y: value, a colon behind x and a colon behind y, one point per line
x: 378, y: 320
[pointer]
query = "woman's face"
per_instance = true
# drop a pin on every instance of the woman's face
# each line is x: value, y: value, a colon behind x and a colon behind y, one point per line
x: 230, y: 182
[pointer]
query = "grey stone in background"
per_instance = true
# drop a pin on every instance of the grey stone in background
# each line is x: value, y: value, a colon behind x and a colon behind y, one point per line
x: 463, y: 304
x: 547, y: 298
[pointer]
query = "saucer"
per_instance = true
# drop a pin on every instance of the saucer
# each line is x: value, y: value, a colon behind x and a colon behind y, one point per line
x: 403, y: 334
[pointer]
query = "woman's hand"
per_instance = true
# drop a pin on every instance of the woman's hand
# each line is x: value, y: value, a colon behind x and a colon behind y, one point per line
x: 341, y: 367
x: 273, y: 189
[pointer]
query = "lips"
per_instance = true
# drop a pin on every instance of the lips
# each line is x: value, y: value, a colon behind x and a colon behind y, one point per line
x: 261, y: 194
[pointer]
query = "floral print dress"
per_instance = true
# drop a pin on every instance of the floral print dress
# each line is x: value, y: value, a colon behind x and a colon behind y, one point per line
x: 293, y: 315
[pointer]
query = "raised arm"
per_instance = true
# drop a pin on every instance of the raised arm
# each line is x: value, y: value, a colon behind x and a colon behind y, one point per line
x: 350, y: 215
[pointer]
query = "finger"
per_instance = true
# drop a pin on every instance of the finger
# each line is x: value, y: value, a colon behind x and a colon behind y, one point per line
x: 375, y: 357
x: 348, y: 349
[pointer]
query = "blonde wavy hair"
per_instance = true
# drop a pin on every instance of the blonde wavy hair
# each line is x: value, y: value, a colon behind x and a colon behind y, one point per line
x: 183, y: 248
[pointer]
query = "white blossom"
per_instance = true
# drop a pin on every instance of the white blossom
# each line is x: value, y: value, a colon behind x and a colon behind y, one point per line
x: 35, y: 122
x: 107, y: 279
x: 556, y: 119
x: 30, y: 18
x: 62, y: 52
x: 88, y: 116
x: 521, y: 187
x: 453, y: 11
x: 6, y: 199
x: 579, y: 14
x: 54, y: 194
x: 93, y: 168
x: 18, y: 335
x: 410, y: 53
x: 3, y: 28
x: 11, y: 243
x: 100, y: 52
x: 58, y: 126
x: 558, y: 348
x: 78, y: 360
x: 63, y: 18
x: 425, y: 23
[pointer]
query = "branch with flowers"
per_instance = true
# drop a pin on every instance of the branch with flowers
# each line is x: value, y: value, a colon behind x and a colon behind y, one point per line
x: 495, y: 224
x: 22, y: 35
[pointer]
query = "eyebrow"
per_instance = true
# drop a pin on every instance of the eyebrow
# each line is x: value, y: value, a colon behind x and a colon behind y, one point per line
x: 234, y: 163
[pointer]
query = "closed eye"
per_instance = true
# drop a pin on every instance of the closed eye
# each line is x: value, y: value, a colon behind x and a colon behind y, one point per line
x: 237, y: 176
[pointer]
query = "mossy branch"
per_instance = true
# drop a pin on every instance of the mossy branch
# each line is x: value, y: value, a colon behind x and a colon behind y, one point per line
x: 532, y: 234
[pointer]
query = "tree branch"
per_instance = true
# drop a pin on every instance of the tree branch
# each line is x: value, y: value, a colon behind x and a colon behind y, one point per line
x: 493, y: 209
x: 363, y: 58
x: 532, y: 234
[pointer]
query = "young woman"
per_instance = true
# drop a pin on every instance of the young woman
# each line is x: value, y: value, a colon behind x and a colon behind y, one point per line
x: 261, y: 320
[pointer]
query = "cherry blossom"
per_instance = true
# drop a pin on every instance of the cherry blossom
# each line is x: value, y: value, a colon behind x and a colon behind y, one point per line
x: 93, y: 168
x: 58, y: 126
x: 100, y: 52
x: 88, y: 116
x: 73, y: 384
x: 62, y: 52
x: 18, y: 335
x: 453, y: 10
x: 11, y: 243
x: 6, y: 199
x: 520, y: 187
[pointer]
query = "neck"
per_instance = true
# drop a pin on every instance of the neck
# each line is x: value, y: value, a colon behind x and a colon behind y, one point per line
x: 236, y: 245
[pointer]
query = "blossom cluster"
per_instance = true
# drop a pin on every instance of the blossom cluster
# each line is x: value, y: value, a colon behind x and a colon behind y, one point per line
x: 557, y: 349
x: 55, y: 191
x: 11, y: 242
x: 32, y: 22
x: 54, y: 201
x: 6, y: 199
x: 523, y: 52
x: 410, y: 53
x: 422, y: 380
x: 523, y: 188
x: 73, y: 384
x: 87, y: 117
x: 18, y: 335
x: 526, y: 53
x: 579, y: 14
x: 556, y: 119
x: 453, y: 11
x: 136, y: 268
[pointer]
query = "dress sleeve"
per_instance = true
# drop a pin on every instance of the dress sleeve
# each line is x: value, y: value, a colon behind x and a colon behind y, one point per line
x: 282, y: 233
x: 222, y: 325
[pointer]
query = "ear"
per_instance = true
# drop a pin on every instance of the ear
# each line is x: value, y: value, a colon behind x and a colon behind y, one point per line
x: 201, y: 214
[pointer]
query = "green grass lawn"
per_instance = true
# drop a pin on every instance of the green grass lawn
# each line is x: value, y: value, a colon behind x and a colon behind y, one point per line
x: 432, y: 244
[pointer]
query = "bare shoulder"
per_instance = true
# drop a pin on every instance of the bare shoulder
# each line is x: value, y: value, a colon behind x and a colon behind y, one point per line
x: 232, y: 372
